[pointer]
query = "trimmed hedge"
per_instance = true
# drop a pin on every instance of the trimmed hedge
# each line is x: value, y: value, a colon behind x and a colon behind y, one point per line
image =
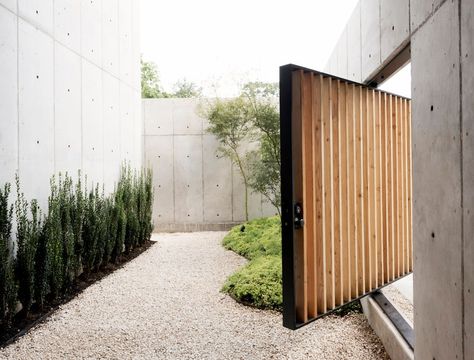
x: 80, y: 232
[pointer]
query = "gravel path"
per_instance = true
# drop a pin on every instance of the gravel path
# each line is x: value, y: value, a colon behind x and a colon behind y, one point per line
x: 166, y: 304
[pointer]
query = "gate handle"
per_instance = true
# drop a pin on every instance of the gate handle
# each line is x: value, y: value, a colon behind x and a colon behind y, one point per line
x: 299, y: 221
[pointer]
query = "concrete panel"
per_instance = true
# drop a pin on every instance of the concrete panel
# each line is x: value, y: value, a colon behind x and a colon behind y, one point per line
x: 8, y: 97
x: 91, y: 30
x: 159, y: 154
x: 110, y: 37
x: 217, y: 187
x: 158, y: 116
x: 112, y: 161
x: 420, y: 10
x: 10, y: 5
x: 67, y: 23
x: 341, y: 53
x: 137, y: 128
x: 467, y: 56
x: 188, y: 178
x: 92, y: 123
x: 36, y: 111
x: 126, y: 118
x: 437, y: 212
x: 125, y: 35
x: 67, y: 111
x: 370, y: 30
x: 238, y: 199
x: 267, y: 208
x: 185, y: 117
x: 38, y: 12
x: 395, y: 26
x: 136, y: 49
x: 354, y: 48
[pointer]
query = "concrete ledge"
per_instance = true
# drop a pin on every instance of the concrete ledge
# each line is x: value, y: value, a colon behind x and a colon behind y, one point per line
x: 395, y: 345
x: 193, y: 227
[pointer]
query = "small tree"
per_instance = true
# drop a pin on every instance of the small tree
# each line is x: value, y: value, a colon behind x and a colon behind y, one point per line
x: 265, y: 165
x: 230, y: 122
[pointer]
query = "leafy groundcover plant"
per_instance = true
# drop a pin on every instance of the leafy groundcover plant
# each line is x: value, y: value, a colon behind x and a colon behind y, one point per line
x: 259, y: 283
x: 81, y: 236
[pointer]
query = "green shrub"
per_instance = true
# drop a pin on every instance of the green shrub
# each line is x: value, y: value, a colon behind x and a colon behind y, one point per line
x: 65, y: 203
x: 258, y: 283
x: 78, y: 209
x: 8, y: 289
x: 81, y: 231
x: 89, y: 234
x: 28, y: 232
x: 42, y: 268
x: 255, y: 238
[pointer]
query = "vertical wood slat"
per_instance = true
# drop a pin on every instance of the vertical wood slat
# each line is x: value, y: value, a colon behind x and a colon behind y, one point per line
x: 360, y: 190
x: 336, y: 208
x: 355, y: 165
x: 352, y: 190
x: 308, y: 192
x: 318, y: 170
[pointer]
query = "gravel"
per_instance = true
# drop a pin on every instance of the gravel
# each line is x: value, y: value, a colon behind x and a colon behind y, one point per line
x: 166, y: 304
x: 400, y: 302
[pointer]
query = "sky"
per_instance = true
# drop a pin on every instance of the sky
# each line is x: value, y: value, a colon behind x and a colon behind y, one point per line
x: 220, y: 45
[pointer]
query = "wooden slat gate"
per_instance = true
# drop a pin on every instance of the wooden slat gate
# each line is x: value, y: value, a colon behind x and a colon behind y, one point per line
x: 346, y: 191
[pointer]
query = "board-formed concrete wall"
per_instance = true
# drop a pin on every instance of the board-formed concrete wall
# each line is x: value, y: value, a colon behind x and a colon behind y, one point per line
x: 194, y: 188
x: 69, y: 90
x: 441, y: 37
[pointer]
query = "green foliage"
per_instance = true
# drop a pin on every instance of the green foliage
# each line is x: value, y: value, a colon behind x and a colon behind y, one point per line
x: 8, y: 289
x: 230, y: 123
x: 265, y: 165
x: 54, y: 241
x: 151, y: 88
x: 150, y: 81
x: 28, y: 233
x: 81, y: 231
x: 186, y: 89
x: 259, y: 283
x: 256, y: 238
x: 253, y: 117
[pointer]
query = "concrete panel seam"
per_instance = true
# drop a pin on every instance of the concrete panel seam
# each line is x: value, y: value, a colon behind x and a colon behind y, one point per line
x: 18, y: 88
x: 380, y: 31
x: 428, y: 17
x: 174, y: 182
x: 461, y: 156
x: 54, y: 91
x: 81, y: 92
x: 202, y: 172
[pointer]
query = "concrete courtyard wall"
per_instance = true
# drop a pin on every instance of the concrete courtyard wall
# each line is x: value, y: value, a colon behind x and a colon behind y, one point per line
x: 69, y: 90
x: 194, y: 188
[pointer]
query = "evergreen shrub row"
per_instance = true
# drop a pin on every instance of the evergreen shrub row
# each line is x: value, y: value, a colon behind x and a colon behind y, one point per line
x: 80, y: 232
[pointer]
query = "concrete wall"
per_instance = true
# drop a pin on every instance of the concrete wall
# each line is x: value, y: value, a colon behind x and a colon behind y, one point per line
x: 375, y: 33
x: 442, y: 53
x: 194, y: 188
x: 69, y: 90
